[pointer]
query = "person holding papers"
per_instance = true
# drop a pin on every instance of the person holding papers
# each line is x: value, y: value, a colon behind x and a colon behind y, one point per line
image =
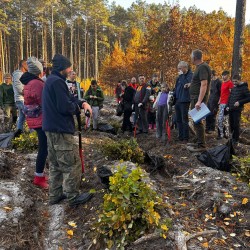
x: 199, y: 90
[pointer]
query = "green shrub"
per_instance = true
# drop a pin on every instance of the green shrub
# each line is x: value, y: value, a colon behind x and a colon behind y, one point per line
x: 242, y: 168
x: 27, y: 142
x: 127, y: 150
x: 129, y: 210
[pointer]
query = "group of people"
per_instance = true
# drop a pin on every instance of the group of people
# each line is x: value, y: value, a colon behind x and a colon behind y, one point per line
x: 49, y: 108
x: 152, y: 103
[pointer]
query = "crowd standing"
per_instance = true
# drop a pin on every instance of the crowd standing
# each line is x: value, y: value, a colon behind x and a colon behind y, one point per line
x: 48, y: 98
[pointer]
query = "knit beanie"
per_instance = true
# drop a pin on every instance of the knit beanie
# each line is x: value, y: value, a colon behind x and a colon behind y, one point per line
x: 34, y: 66
x: 60, y: 62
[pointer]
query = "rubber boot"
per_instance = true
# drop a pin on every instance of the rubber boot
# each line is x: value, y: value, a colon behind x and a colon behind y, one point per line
x: 41, y: 182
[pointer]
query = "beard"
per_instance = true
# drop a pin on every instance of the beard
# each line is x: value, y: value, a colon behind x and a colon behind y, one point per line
x: 64, y: 73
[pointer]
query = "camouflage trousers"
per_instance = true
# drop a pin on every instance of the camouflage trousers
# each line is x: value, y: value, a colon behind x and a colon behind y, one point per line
x: 223, y: 122
x: 65, y: 167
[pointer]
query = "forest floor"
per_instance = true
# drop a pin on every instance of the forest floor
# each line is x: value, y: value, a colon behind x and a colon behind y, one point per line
x: 208, y: 207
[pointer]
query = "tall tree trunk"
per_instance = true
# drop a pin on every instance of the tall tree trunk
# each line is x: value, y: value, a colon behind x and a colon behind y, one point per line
x: 63, y: 38
x: 2, y: 71
x: 71, y: 42
x: 85, y: 53
x: 27, y: 38
x: 37, y: 46
x: 52, y: 32
x: 238, y: 37
x: 96, y: 53
x: 21, y: 35
x: 79, y: 53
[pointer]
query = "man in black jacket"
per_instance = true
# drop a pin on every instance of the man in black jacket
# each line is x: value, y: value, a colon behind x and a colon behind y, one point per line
x: 59, y: 107
x: 213, y: 102
x: 141, y: 99
x: 238, y: 97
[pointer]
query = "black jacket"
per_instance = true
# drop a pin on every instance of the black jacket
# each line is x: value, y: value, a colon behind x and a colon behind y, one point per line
x: 214, y: 95
x: 59, y: 105
x: 240, y: 93
x: 128, y: 97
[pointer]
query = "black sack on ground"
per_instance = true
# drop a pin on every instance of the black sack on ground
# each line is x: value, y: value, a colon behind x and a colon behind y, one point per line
x: 104, y: 173
x: 154, y: 162
x: 5, y: 140
x: 107, y: 128
x: 218, y: 157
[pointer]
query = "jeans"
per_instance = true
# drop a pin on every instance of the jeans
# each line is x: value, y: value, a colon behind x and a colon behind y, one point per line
x: 21, y: 116
x: 181, y: 111
x: 234, y: 118
x: 223, y: 123
x: 42, y: 150
x: 95, y: 114
x: 161, y: 119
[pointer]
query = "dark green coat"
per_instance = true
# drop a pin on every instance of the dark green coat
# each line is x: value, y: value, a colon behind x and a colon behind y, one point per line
x: 6, y: 94
x: 94, y: 102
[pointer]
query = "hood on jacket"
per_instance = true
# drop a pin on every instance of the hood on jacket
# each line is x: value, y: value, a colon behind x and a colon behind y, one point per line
x: 27, y: 77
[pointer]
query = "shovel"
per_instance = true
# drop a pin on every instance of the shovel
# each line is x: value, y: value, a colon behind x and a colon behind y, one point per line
x: 78, y: 116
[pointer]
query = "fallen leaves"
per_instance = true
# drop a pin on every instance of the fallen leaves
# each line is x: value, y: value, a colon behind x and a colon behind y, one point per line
x: 72, y: 224
x: 244, y: 201
x: 70, y: 232
x: 8, y: 209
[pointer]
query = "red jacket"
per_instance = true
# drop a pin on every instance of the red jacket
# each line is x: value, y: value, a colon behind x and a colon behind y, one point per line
x: 33, y: 88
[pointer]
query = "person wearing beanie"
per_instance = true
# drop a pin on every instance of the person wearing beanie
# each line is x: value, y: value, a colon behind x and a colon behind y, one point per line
x: 7, y: 102
x: 33, y: 88
x: 59, y: 108
x: 18, y: 95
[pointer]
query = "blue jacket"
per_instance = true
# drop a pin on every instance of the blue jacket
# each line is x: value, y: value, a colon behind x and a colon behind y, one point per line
x: 181, y: 94
x: 59, y: 105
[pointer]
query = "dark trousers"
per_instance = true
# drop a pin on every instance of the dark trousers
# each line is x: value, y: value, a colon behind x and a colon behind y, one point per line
x: 42, y: 150
x: 211, y: 121
x: 199, y: 127
x: 151, y: 118
x: 126, y: 124
x: 141, y: 119
x: 181, y: 111
x: 234, y: 120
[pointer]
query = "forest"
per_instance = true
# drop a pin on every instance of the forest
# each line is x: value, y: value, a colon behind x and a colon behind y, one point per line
x: 110, y: 43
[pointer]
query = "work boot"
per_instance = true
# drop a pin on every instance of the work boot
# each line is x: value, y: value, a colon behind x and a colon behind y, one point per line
x: 40, y: 181
x: 81, y: 199
x: 58, y: 200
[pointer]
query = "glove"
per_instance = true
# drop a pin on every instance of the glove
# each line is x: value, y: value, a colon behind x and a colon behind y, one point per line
x: 140, y: 105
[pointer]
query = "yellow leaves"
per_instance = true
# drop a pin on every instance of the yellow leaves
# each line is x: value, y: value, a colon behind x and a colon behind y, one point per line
x: 184, y: 204
x: 247, y: 233
x: 164, y: 236
x: 235, y: 188
x: 205, y: 244
x: 164, y: 227
x: 70, y: 233
x: 72, y: 224
x: 244, y: 201
x: 232, y: 234
x: 8, y: 209
x: 168, y: 156
x: 228, y: 195
x: 95, y: 169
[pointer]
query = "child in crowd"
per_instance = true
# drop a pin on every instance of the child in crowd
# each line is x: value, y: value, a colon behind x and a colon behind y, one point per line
x: 151, y: 113
x: 223, y: 121
x: 161, y: 104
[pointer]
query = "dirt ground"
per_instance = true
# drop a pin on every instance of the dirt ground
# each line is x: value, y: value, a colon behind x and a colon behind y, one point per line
x: 200, y: 199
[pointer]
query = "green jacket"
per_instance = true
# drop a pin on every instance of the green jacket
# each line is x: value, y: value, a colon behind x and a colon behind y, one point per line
x: 6, y: 94
x: 98, y: 93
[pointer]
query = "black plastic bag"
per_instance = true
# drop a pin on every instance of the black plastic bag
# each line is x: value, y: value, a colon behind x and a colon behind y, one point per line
x: 5, y: 140
x: 104, y: 173
x: 120, y: 109
x: 107, y: 129
x: 155, y: 163
x: 218, y: 157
